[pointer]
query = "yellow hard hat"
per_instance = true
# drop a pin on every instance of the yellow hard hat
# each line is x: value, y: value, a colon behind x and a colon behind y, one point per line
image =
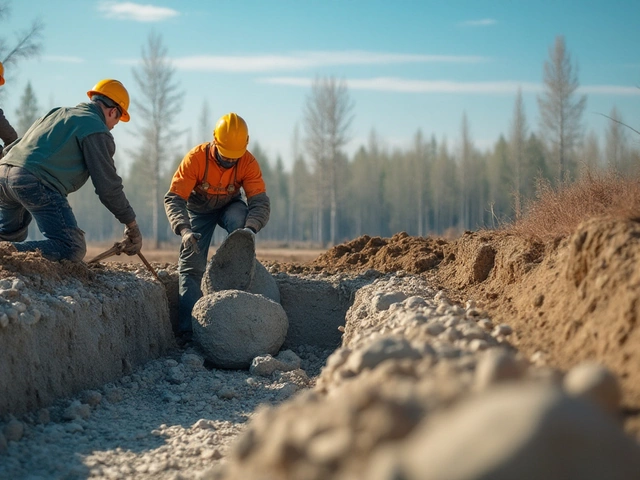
x: 1, y: 74
x: 231, y: 135
x: 115, y: 91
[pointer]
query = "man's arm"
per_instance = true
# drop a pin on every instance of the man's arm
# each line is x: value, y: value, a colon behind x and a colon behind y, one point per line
x: 98, y: 150
x: 176, y: 209
x: 7, y: 132
x: 259, y: 212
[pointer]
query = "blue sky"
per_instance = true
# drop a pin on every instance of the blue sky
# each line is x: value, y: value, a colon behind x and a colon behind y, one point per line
x: 408, y: 65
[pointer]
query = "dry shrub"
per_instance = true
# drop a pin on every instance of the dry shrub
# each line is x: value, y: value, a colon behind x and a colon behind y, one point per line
x: 557, y: 211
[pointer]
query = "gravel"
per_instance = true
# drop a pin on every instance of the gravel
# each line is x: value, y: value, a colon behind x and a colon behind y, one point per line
x: 172, y: 418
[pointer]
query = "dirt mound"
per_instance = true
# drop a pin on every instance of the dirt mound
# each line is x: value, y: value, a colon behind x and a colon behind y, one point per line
x: 569, y: 299
x: 400, y: 252
x: 32, y: 264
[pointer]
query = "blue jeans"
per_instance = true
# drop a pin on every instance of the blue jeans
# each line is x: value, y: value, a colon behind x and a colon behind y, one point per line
x: 23, y: 197
x: 191, y: 265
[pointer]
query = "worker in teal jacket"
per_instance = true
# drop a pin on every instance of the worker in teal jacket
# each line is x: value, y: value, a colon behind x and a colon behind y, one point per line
x: 55, y: 157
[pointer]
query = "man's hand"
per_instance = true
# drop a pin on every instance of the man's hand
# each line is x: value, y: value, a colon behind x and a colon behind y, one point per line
x: 190, y: 240
x: 132, y: 243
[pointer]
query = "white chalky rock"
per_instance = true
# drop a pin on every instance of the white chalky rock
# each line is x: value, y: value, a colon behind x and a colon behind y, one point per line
x: 497, y: 365
x: 595, y: 382
x: 233, y: 327
x: 265, y: 365
x: 434, y: 328
x: 502, y: 329
x: 379, y: 350
x: 520, y: 431
x: 383, y: 301
x: 415, y: 302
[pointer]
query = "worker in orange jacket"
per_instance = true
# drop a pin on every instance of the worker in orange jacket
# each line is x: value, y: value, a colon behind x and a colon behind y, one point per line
x: 206, y: 191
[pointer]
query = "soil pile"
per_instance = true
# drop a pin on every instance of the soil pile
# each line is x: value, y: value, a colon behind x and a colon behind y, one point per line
x: 569, y: 299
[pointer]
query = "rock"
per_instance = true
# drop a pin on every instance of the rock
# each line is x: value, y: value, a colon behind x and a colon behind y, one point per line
x: 594, y: 382
x: 379, y: 350
x: 91, y: 397
x: 233, y: 265
x: 13, y: 430
x: 265, y: 365
x: 384, y: 300
x: 497, y: 365
x: 528, y: 432
x: 263, y: 283
x: 192, y: 360
x: 77, y: 410
x: 233, y: 327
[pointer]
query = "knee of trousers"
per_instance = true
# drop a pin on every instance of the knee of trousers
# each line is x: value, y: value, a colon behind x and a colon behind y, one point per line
x: 17, y: 236
x: 77, y: 248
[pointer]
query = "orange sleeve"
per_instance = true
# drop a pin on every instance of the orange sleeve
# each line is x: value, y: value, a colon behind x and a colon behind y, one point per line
x: 189, y: 172
x: 251, y: 176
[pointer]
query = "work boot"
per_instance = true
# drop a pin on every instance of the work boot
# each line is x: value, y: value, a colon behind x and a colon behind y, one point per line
x: 184, y: 339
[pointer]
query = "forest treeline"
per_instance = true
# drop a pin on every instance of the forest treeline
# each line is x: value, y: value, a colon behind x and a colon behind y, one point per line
x: 435, y: 186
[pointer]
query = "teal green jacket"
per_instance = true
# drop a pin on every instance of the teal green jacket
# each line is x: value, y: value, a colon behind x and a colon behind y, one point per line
x: 66, y: 147
x: 51, y: 148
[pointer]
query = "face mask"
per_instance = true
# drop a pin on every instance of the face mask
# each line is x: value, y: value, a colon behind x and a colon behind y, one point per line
x: 224, y: 163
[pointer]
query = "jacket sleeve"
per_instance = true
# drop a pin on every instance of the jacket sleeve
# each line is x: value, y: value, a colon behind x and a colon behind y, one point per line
x: 176, y: 209
x: 259, y: 211
x: 7, y: 132
x: 98, y: 150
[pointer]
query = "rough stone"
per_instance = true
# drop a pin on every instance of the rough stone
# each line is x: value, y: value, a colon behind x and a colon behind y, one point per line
x: 233, y: 265
x: 233, y: 327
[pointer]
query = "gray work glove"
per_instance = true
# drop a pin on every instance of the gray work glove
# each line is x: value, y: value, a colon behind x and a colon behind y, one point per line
x: 190, y: 240
x: 132, y: 243
x: 250, y: 230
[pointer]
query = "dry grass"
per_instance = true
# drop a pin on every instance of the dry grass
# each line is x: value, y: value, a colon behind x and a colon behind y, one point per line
x: 557, y: 211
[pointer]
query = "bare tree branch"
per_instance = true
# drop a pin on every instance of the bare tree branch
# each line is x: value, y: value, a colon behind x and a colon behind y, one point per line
x: 618, y: 121
x: 29, y: 43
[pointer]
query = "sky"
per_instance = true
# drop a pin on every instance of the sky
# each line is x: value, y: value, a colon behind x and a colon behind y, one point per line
x: 408, y: 65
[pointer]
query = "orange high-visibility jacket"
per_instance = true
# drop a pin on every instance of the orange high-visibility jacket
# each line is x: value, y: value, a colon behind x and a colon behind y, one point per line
x: 245, y: 174
x: 221, y: 187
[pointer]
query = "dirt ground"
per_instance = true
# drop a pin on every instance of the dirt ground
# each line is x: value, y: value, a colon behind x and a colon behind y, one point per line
x: 170, y: 255
x: 571, y: 299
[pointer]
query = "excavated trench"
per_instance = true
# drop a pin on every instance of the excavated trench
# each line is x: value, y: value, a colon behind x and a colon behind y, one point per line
x: 82, y: 335
x: 415, y: 383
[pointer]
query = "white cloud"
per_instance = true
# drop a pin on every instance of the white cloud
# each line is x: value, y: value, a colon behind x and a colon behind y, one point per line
x: 401, y: 85
x: 307, y: 60
x: 136, y: 11
x: 389, y: 84
x: 62, y: 59
x: 608, y: 90
x: 485, y: 22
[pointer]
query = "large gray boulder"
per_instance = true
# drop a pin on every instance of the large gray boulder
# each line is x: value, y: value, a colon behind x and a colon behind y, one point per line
x: 233, y: 327
x: 233, y: 265
x: 263, y: 283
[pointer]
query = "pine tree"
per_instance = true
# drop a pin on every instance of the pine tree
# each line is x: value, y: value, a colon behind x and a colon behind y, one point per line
x: 560, y: 110
x: 28, y: 112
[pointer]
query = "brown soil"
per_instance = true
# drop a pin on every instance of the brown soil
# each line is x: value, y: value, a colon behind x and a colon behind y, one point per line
x: 170, y: 255
x: 570, y: 299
